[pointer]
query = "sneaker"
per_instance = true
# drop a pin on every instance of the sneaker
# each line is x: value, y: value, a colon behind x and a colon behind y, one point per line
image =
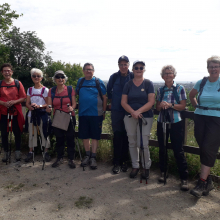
x: 145, y: 174
x: 209, y: 186
x: 47, y: 157
x: 5, y: 157
x: 57, y: 163
x: 85, y: 161
x: 134, y: 172
x: 93, y: 164
x: 17, y: 155
x: 199, y: 189
x: 161, y: 177
x: 71, y: 164
x: 29, y: 157
x: 116, y: 169
x: 184, y: 185
x: 124, y: 167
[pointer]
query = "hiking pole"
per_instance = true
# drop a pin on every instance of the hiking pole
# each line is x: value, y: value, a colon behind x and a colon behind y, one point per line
x: 142, y: 149
x: 77, y: 143
x: 32, y: 112
x: 9, y: 158
x: 165, y: 147
x: 44, y: 150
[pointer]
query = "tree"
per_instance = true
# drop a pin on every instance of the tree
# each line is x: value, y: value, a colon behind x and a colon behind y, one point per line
x: 6, y: 18
x: 26, y: 52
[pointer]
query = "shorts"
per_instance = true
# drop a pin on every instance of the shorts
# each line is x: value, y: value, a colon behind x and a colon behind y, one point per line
x: 207, y: 134
x: 90, y: 127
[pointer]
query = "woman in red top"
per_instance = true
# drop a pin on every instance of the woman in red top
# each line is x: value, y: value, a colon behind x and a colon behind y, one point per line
x: 12, y: 93
x: 59, y: 102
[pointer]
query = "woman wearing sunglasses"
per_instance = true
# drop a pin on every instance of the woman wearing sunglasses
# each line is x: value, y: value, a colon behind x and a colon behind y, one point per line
x: 137, y: 99
x: 63, y: 100
x: 36, y: 103
x: 171, y: 99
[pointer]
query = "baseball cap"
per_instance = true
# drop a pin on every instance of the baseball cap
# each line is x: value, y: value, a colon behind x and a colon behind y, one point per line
x: 138, y: 61
x: 123, y: 57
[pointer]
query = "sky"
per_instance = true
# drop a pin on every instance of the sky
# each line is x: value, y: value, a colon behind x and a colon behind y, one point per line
x: 181, y: 33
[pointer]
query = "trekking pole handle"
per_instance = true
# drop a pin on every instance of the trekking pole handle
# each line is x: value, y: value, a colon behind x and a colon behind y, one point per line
x: 143, y: 119
x: 49, y: 106
x: 68, y: 105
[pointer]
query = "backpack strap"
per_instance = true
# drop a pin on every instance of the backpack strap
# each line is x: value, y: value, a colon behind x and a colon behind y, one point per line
x: 17, y: 84
x: 202, y: 84
x: 175, y: 93
x: 53, y: 91
x: 98, y: 87
x: 70, y: 89
x: 30, y: 91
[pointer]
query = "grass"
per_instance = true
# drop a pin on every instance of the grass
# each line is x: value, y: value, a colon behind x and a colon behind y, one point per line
x: 83, y: 202
x: 12, y: 187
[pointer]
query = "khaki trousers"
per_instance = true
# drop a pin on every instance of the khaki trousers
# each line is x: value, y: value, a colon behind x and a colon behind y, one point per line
x: 133, y: 132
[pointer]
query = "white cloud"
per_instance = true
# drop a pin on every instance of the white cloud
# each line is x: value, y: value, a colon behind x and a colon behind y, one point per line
x: 181, y: 33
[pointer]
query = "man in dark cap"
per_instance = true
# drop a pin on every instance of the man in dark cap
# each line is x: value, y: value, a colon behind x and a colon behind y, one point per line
x: 114, y: 90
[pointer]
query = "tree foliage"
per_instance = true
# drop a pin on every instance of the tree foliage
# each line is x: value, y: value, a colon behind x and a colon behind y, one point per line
x: 73, y: 71
x: 6, y: 18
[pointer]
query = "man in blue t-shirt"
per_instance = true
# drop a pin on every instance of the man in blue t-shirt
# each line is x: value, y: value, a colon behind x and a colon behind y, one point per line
x: 114, y: 90
x: 92, y: 108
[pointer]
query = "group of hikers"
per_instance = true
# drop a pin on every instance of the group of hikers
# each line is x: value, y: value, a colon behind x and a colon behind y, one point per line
x: 131, y: 98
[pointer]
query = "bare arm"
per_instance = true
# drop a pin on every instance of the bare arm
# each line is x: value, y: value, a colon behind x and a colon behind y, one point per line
x: 49, y: 102
x: 192, y: 97
x: 124, y: 104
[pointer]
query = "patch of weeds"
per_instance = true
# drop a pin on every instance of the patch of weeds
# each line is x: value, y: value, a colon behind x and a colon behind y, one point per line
x: 145, y: 207
x: 12, y: 187
x: 83, y: 201
x: 59, y: 207
x: 35, y: 184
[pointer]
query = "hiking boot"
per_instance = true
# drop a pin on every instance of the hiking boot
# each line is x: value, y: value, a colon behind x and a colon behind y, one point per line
x: 85, y: 161
x: 47, y: 157
x: 199, y: 189
x: 5, y: 157
x: 124, y: 167
x: 161, y: 178
x: 209, y: 186
x: 116, y: 169
x: 93, y: 164
x: 145, y: 174
x: 57, y: 163
x: 134, y: 172
x: 71, y: 164
x: 17, y: 155
x: 184, y: 185
x: 29, y: 157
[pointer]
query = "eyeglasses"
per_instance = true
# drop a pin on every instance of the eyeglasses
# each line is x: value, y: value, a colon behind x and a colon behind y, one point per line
x: 137, y: 68
x: 87, y: 70
x: 213, y: 67
x: 58, y: 77
x: 170, y: 73
x: 5, y: 71
x: 36, y: 76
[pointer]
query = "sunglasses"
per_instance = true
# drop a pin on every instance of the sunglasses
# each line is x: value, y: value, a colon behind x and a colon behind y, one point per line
x: 58, y: 77
x: 36, y: 76
x: 137, y: 68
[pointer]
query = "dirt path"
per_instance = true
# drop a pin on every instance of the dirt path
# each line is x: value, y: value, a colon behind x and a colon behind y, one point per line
x: 27, y: 192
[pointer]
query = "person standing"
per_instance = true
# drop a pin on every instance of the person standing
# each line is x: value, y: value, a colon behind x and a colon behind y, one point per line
x: 207, y: 123
x: 12, y: 94
x: 114, y: 90
x: 137, y: 99
x: 92, y: 108
x: 171, y: 99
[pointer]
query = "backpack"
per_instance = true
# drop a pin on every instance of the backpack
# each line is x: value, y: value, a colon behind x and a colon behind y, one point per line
x: 17, y: 84
x: 96, y: 86
x: 175, y: 93
x: 69, y: 89
x: 41, y: 95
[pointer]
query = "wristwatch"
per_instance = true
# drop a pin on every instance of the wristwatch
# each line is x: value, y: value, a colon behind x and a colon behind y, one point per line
x: 41, y: 106
x: 172, y: 105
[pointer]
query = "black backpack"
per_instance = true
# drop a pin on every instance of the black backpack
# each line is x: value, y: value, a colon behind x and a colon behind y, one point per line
x: 96, y: 86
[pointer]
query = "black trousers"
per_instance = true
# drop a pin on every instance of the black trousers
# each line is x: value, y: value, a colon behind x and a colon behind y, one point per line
x: 120, y: 139
x: 15, y: 129
x: 176, y: 136
x: 61, y: 135
x: 207, y: 134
